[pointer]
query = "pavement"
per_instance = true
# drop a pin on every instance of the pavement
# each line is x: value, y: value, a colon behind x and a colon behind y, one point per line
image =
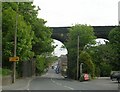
x: 20, y: 84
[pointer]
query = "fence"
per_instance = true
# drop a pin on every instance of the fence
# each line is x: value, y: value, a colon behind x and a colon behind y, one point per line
x: 28, y: 68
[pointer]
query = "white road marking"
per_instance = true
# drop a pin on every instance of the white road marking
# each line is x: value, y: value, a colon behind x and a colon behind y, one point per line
x: 69, y: 87
x: 52, y: 80
x: 60, y: 84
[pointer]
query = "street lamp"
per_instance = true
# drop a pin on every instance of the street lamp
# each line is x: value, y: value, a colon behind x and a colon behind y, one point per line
x: 81, y: 68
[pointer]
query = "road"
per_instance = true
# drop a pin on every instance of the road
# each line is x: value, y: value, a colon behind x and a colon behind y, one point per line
x: 53, y: 81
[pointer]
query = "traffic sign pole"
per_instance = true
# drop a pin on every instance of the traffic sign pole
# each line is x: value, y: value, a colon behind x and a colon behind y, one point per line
x: 15, y: 47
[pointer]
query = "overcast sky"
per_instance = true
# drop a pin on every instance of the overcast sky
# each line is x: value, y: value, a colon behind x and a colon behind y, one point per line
x: 71, y: 12
x: 58, y: 51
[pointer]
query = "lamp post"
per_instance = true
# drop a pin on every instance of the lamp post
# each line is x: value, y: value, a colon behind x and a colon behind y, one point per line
x: 81, y: 68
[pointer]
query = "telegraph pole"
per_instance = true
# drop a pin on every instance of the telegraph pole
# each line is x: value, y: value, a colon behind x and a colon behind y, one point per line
x: 77, y: 57
x: 15, y: 47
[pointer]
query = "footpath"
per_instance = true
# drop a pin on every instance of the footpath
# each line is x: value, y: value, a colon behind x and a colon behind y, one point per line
x: 20, y: 84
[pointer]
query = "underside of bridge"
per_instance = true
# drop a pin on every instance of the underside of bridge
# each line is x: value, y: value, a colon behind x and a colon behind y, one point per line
x: 61, y: 33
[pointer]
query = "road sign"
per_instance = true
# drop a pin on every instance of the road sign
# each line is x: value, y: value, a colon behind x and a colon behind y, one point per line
x: 13, y: 59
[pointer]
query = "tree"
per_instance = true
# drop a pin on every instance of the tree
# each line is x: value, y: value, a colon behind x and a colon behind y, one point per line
x: 101, y: 56
x: 40, y: 64
x: 24, y: 37
x: 114, y: 38
x: 42, y: 34
x: 33, y: 37
x: 86, y: 36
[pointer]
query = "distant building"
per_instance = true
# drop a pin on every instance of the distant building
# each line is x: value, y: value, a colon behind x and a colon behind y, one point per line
x: 119, y: 12
x: 63, y: 65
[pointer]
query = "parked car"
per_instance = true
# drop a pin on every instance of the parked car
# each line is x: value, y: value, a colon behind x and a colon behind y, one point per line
x: 57, y: 71
x: 115, y: 75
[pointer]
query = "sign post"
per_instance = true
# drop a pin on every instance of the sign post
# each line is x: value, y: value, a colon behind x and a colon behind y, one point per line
x: 15, y: 46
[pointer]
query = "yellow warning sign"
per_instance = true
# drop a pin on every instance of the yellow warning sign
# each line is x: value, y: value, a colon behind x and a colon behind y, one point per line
x: 14, y: 59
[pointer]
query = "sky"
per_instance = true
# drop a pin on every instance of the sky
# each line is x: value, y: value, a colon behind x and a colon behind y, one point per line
x: 58, y: 51
x: 61, y: 13
x: 71, y: 12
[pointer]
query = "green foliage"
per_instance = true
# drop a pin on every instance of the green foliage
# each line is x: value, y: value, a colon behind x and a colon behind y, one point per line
x: 33, y: 37
x: 24, y: 35
x: 5, y: 72
x: 114, y: 38
x: 97, y: 71
x: 40, y: 64
x: 42, y: 39
x: 86, y: 36
x: 105, y: 69
x: 88, y: 65
x: 85, y: 33
x: 81, y: 78
x: 101, y: 56
x: 42, y: 34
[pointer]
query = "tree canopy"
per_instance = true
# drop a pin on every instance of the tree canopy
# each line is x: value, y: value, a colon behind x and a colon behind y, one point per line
x: 33, y: 37
x: 86, y: 36
x: 114, y: 38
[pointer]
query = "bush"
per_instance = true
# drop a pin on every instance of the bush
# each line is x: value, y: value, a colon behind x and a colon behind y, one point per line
x: 105, y: 69
x: 81, y: 78
x: 40, y: 64
x: 5, y: 72
x: 89, y: 66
